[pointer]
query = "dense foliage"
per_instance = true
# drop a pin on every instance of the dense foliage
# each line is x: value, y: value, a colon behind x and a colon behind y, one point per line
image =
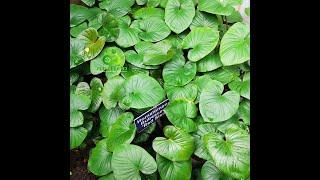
x: 127, y: 56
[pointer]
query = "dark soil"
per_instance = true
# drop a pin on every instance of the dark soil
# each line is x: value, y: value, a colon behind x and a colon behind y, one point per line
x: 78, y: 164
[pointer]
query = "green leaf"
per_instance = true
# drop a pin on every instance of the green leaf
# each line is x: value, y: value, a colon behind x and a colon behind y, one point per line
x: 203, y: 19
x: 141, y: 2
x: 209, y: 63
x: 234, y: 17
x: 172, y: 170
x: 77, y: 136
x: 99, y: 162
x: 241, y: 86
x: 117, y: 8
x: 114, y: 58
x: 76, y: 48
x: 144, y: 136
x: 143, y: 91
x: 247, y: 11
x: 201, y: 150
x: 107, y: 119
x: 113, y: 92
x: 73, y: 77
x: 178, y: 146
x: 180, y: 114
x: 153, y: 29
x: 225, y: 74
x: 76, y: 118
x: 97, y: 64
x: 153, y: 3
x: 122, y: 131
x: 137, y: 60
x: 201, y: 40
x: 224, y: 125
x: 129, y: 160
x: 230, y: 153
x: 210, y: 172
x: 130, y: 70
x: 156, y: 54
x: 220, y: 7
x: 93, y: 43
x: 89, y: 2
x: 109, y: 27
x: 215, y: 107
x: 80, y: 99
x: 149, y: 12
x: 235, y: 45
x: 188, y: 92
x: 128, y: 36
x: 179, y: 14
x: 244, y: 111
x: 107, y: 177
x: 178, y: 72
x: 96, y: 88
x: 201, y: 82
x: 78, y: 14
x: 75, y: 31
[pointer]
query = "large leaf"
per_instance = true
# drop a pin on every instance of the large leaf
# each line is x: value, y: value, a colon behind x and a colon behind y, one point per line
x: 235, y: 45
x: 202, y: 130
x: 78, y: 14
x: 178, y: 72
x: 99, y: 162
x: 221, y: 7
x: 179, y: 14
x: 203, y: 19
x: 137, y: 60
x: 149, y: 12
x: 93, y: 43
x: 117, y: 8
x: 241, y: 86
x: 129, y: 160
x: 109, y: 27
x: 180, y: 114
x: 177, y: 146
x: 122, y: 131
x: 96, y: 88
x: 114, y: 58
x: 128, y: 36
x: 77, y: 136
x: 112, y: 92
x: 156, y: 54
x: 143, y: 91
x: 76, y: 48
x: 210, y: 172
x: 215, y: 107
x: 153, y: 29
x: 209, y: 63
x: 172, y: 170
x: 201, y: 40
x: 225, y: 74
x: 107, y: 119
x: 188, y: 92
x: 230, y: 153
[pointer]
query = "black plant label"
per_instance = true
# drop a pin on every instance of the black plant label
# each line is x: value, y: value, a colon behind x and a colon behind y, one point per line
x: 149, y: 117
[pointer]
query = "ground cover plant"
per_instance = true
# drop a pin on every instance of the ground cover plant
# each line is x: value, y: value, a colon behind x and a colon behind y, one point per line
x: 127, y: 56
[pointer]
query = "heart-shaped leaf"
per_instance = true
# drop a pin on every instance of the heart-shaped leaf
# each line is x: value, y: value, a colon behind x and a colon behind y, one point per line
x: 142, y: 91
x: 180, y: 114
x: 221, y: 7
x: 137, y: 60
x: 210, y: 172
x: 235, y: 45
x: 209, y: 63
x: 78, y: 14
x: 172, y: 170
x: 109, y: 26
x: 96, y: 88
x: 149, y: 12
x: 241, y: 86
x: 93, y: 43
x: 244, y: 111
x: 128, y: 35
x: 153, y: 29
x: 231, y: 153
x: 99, y: 162
x: 225, y: 74
x: 113, y: 92
x: 117, y: 8
x: 177, y: 146
x: 129, y: 160
x: 178, y: 72
x: 179, y: 14
x: 202, y: 40
x: 156, y: 54
x: 107, y: 119
x: 215, y: 107
x: 203, y: 19
x: 77, y: 136
x: 188, y: 92
x: 122, y: 131
x: 202, y: 130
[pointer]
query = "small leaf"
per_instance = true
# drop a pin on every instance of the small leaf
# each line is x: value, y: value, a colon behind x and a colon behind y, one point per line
x: 172, y: 170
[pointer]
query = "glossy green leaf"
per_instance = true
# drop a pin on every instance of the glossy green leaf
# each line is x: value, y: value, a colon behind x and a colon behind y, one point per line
x: 75, y: 31
x: 76, y: 118
x: 202, y: 130
x: 77, y: 136
x: 97, y: 65
x: 143, y: 91
x: 220, y: 7
x: 96, y: 88
x: 230, y: 153
x: 113, y: 92
x: 107, y: 119
x: 235, y: 45
x: 201, y: 41
x: 178, y: 72
x: 141, y: 2
x: 224, y: 125
x: 203, y: 19
x: 215, y: 106
x: 129, y: 160
x: 234, y: 17
x: 99, y: 162
x: 180, y: 114
x: 76, y: 48
x: 109, y: 27
x: 179, y: 14
x: 130, y: 70
x: 201, y: 82
x: 93, y: 43
x: 177, y: 146
x: 89, y: 2
x: 114, y: 58
x: 244, y: 111
x: 225, y: 74
x: 242, y: 86
x: 172, y: 170
x: 210, y: 172
x: 78, y: 14
x: 128, y: 36
x: 149, y: 12
x: 80, y: 99
x: 153, y: 29
x: 188, y: 92
x: 158, y: 53
x: 137, y: 60
x: 209, y: 63
x: 153, y: 3
x: 117, y: 8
